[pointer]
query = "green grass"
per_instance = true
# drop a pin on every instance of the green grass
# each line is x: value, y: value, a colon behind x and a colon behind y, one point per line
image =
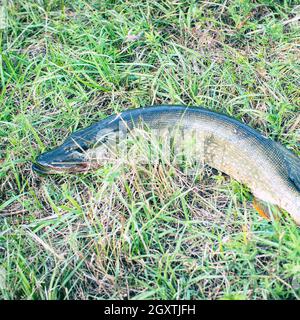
x: 130, y: 232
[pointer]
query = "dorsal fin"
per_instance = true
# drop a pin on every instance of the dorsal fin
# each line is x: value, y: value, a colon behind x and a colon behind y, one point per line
x: 293, y: 165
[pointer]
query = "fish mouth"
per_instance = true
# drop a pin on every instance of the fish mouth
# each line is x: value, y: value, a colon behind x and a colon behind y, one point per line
x: 59, y: 161
x: 40, y: 168
x: 49, y: 169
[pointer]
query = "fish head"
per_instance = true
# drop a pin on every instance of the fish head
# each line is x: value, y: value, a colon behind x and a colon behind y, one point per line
x: 81, y: 152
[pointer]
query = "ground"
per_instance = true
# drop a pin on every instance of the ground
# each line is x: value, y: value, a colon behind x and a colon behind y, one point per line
x: 132, y: 232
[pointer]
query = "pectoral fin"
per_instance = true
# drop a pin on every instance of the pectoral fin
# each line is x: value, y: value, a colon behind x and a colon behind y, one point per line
x: 262, y: 209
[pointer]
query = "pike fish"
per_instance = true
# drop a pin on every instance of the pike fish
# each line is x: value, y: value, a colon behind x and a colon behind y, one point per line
x: 267, y: 168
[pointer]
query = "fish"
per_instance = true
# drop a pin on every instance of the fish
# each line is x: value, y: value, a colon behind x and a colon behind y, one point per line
x: 266, y: 167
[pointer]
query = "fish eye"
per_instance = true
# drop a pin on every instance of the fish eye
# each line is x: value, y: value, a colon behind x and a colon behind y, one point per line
x: 100, y: 142
x: 77, y: 147
x: 104, y: 139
